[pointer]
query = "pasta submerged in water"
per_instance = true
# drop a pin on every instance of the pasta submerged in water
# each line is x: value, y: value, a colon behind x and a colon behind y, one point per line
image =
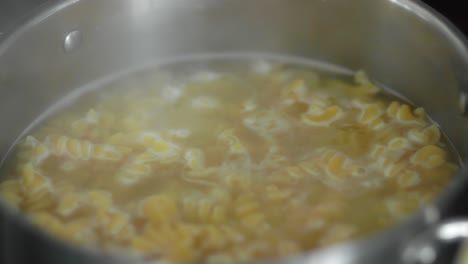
x: 263, y: 162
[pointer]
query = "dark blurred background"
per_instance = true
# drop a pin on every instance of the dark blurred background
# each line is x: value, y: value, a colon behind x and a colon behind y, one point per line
x: 454, y: 10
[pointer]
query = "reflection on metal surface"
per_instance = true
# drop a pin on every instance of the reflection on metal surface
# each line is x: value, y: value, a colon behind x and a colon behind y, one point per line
x: 72, y: 41
x: 427, y: 254
x: 453, y: 231
x: 463, y: 103
x: 419, y: 252
x: 415, y: 8
x: 431, y: 214
x: 425, y: 247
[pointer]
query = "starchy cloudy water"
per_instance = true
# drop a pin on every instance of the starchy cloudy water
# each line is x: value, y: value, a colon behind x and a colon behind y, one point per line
x: 228, y: 160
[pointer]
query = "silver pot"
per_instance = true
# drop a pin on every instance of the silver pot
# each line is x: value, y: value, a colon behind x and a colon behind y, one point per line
x: 62, y: 45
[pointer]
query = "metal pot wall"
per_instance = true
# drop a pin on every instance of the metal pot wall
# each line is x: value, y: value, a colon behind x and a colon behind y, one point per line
x: 401, y: 43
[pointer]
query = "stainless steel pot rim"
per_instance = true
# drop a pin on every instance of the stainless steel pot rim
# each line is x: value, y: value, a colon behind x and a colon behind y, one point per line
x: 345, y: 252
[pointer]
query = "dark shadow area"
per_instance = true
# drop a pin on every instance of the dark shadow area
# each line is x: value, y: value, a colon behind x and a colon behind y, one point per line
x: 455, y: 11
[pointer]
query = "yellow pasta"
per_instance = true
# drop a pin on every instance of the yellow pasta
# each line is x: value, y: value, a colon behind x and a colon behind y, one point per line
x: 296, y: 90
x: 404, y: 113
x: 10, y: 191
x: 100, y: 200
x: 408, y: 179
x: 158, y: 146
x: 159, y: 209
x: 204, y: 210
x: 142, y: 244
x: 377, y: 151
x: 235, y: 146
x: 32, y: 183
x: 49, y: 221
x: 79, y: 230
x: 317, y: 116
x: 83, y: 149
x: 123, y: 139
x: 274, y: 193
x: 116, y: 225
x: 263, y: 162
x: 212, y: 238
x: 310, y: 167
x: 364, y: 85
x: 237, y: 182
x: 31, y: 141
x: 429, y: 157
x: 334, y: 163
x: 82, y: 125
x: 400, y: 205
x: 390, y: 166
x: 397, y: 147
x: 266, y: 123
x: 195, y: 159
x: 173, y: 241
x: 295, y: 173
x: 273, y: 158
x: 33, y: 151
x: 428, y: 135
x: 370, y: 114
x: 133, y: 173
x: 139, y: 166
x: 69, y: 204
x: 249, y: 213
x: 41, y: 202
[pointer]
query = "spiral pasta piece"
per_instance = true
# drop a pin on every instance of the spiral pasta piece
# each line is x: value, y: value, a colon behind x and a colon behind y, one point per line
x: 317, y: 116
x: 425, y: 136
x: 84, y: 150
x: 234, y: 143
x: 69, y: 204
x: 296, y: 90
x: 159, y: 209
x: 204, y: 210
x: 403, y: 113
x: 10, y: 191
x: 429, y: 157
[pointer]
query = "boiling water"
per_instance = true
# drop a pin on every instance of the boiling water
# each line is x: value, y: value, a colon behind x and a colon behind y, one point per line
x: 226, y: 158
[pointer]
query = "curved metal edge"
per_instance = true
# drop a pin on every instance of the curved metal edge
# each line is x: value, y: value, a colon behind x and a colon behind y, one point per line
x: 344, y: 249
x: 17, y: 27
x: 460, y: 41
x: 8, y: 36
x: 439, y: 209
x: 430, y: 215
